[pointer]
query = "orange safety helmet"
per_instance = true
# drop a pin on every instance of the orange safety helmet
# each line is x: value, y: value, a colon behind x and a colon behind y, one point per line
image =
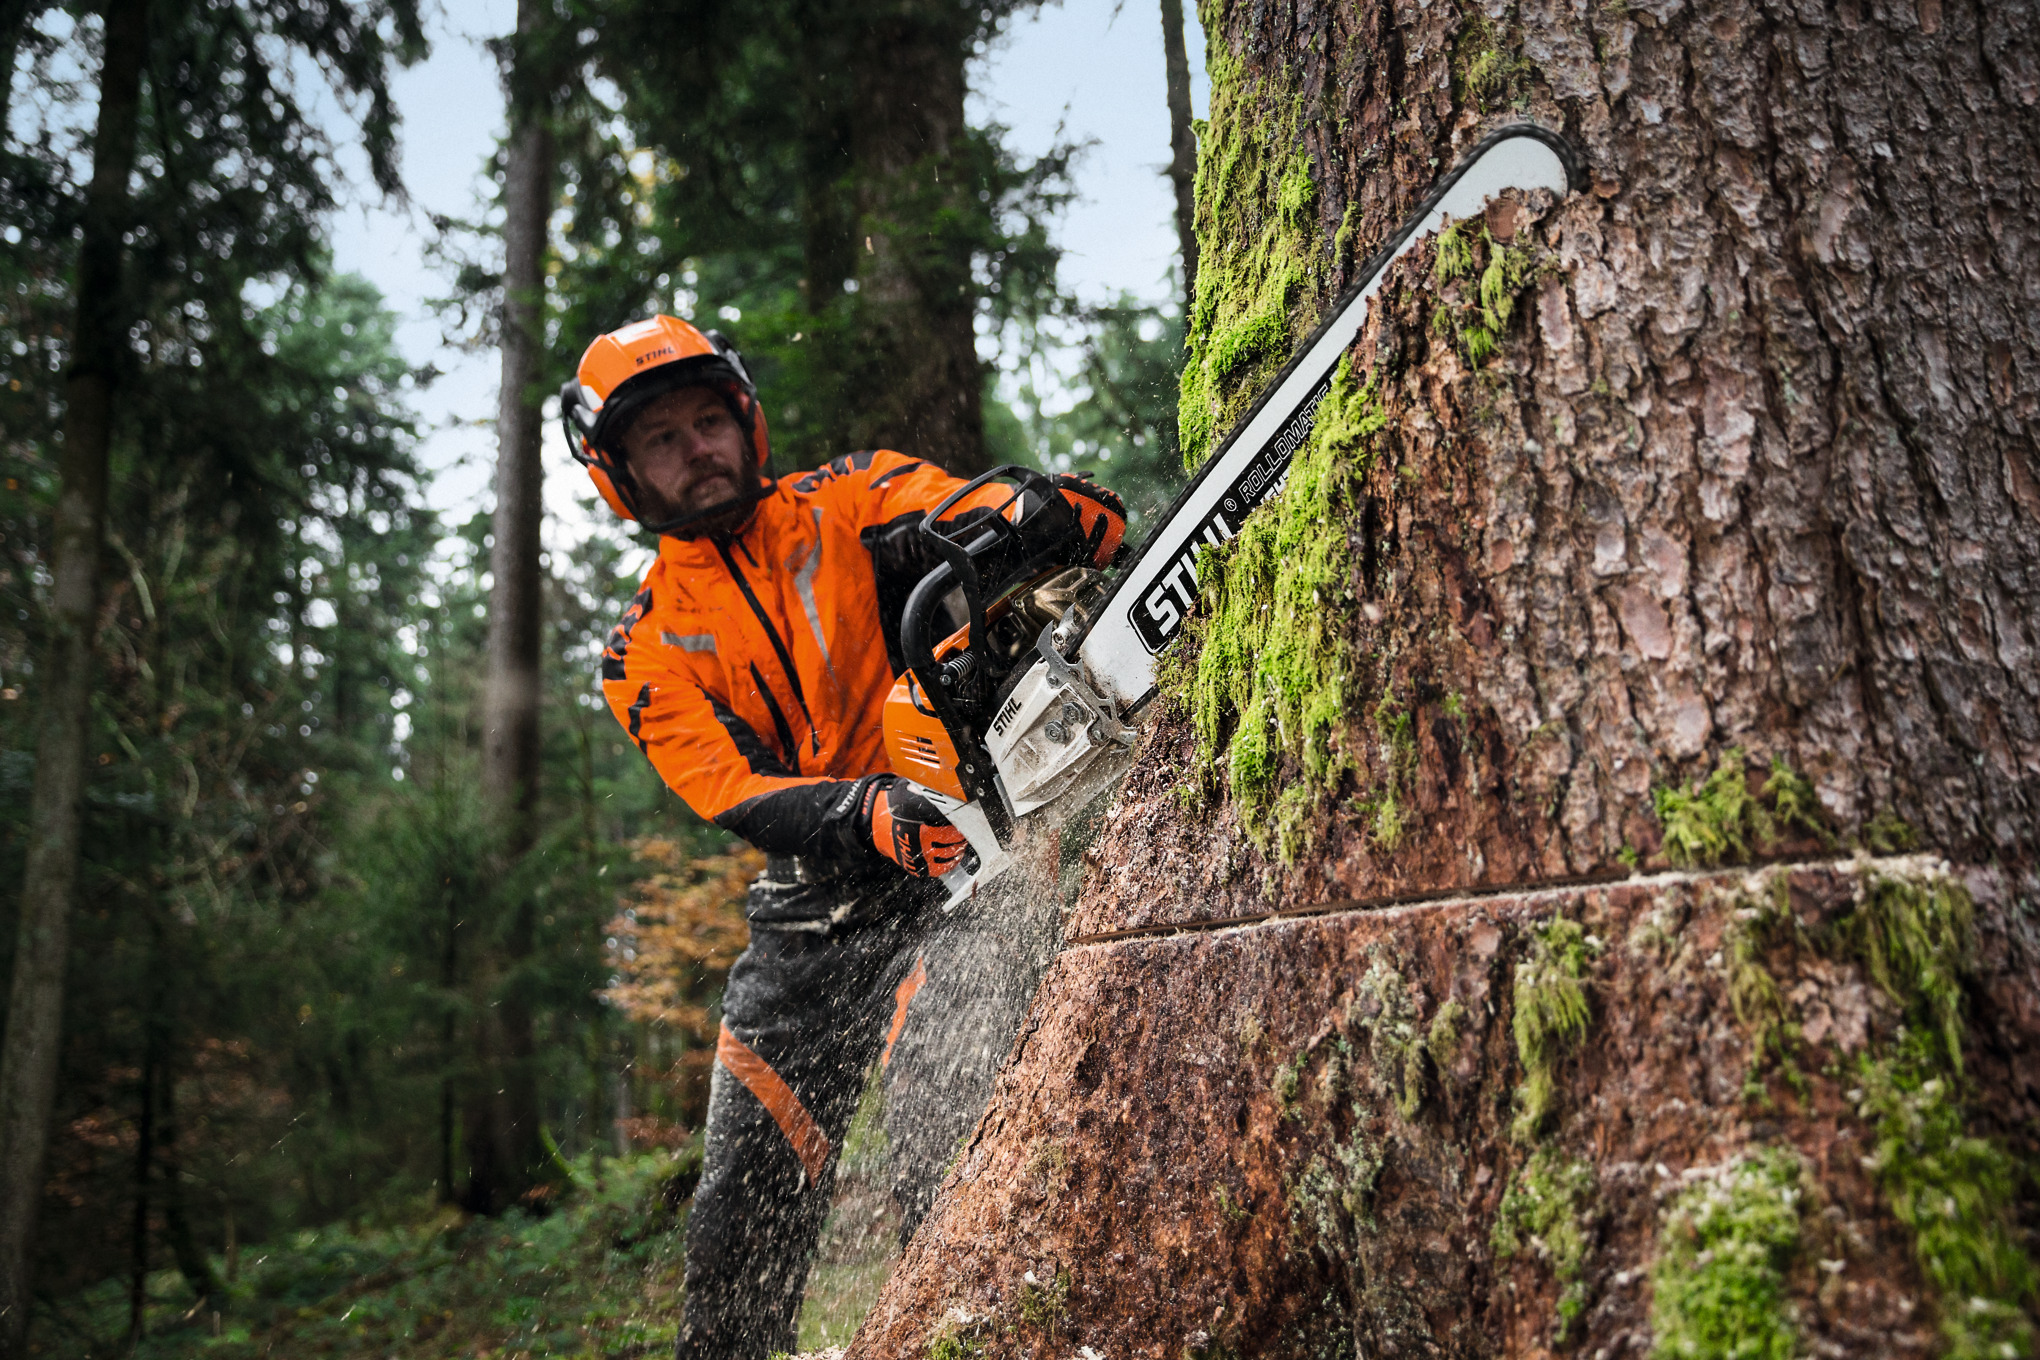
x: 622, y: 373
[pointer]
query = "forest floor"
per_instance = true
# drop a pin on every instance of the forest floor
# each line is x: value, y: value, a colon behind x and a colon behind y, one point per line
x: 598, y: 1276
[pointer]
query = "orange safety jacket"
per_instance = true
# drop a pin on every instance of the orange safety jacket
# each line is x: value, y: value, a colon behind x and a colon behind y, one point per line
x: 753, y: 669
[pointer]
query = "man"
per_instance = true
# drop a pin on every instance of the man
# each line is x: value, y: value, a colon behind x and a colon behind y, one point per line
x: 752, y: 668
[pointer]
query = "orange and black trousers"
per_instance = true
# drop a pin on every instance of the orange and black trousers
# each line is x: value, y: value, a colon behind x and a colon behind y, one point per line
x: 809, y: 1009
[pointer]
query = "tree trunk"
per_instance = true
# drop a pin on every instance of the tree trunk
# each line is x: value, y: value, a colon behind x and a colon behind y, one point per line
x: 503, y: 1122
x: 922, y: 382
x: 1182, y: 145
x: 28, y: 1062
x: 1662, y: 568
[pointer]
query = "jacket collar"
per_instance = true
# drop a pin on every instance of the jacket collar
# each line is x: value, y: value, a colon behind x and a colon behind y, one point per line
x: 694, y: 553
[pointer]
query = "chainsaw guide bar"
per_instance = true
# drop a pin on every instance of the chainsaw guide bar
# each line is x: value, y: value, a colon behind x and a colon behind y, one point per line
x: 1056, y: 729
x: 1149, y: 603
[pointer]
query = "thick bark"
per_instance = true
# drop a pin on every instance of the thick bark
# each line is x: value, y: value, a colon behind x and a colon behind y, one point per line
x: 28, y: 1062
x: 502, y: 1127
x: 1182, y: 145
x: 1753, y: 468
x: 923, y: 384
x: 1726, y: 460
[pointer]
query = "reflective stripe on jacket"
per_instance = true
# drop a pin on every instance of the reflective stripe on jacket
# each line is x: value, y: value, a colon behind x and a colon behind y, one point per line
x: 753, y: 672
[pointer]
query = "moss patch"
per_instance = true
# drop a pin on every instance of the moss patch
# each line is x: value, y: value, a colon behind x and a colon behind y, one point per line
x: 1398, y: 1041
x: 1260, y: 265
x: 1954, y: 1191
x: 1912, y: 934
x: 1486, y: 72
x: 1273, y: 678
x: 1719, y: 1281
x: 1548, y: 1210
x: 1721, y: 821
x: 1481, y: 281
x: 1551, y: 1015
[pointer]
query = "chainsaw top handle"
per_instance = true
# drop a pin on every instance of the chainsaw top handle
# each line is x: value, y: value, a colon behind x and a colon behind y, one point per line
x: 1010, y: 555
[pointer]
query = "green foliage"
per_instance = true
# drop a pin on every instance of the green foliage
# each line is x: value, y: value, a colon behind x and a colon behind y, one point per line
x: 1719, y: 821
x: 1718, y: 1284
x: 1551, y: 1015
x: 1548, y: 1208
x: 1958, y: 1195
x: 1272, y: 679
x: 598, y: 1275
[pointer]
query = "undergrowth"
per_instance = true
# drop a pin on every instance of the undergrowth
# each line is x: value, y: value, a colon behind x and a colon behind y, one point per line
x: 597, y: 1276
x: 1718, y: 1285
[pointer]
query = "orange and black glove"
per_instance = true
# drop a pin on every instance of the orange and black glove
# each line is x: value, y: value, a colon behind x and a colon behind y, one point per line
x: 908, y: 829
x: 1101, y: 518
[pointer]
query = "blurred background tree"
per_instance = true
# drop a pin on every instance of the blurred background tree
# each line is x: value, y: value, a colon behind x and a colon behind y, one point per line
x: 291, y: 920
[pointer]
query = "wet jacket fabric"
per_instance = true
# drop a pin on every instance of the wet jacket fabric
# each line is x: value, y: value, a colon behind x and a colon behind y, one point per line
x: 753, y: 670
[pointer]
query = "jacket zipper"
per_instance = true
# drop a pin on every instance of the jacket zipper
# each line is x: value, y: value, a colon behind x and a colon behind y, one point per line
x: 778, y: 647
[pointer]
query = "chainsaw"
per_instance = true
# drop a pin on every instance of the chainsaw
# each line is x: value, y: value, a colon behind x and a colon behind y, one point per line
x: 1030, y: 688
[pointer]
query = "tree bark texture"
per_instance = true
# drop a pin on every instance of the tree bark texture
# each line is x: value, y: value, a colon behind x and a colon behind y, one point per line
x: 1754, y: 467
x: 1683, y: 537
x: 28, y: 1060
x: 502, y: 1123
x: 1182, y: 144
x: 922, y: 384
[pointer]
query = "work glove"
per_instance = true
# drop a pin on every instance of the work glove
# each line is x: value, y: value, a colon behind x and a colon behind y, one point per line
x: 908, y: 829
x: 1101, y: 518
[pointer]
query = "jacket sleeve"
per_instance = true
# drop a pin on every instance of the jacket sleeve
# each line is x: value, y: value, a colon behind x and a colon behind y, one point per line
x: 719, y: 764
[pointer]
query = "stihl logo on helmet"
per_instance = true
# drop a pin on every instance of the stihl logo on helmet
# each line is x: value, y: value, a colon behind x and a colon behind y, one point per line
x: 625, y: 371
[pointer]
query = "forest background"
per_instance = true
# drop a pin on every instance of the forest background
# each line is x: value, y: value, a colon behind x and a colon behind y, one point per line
x: 341, y: 998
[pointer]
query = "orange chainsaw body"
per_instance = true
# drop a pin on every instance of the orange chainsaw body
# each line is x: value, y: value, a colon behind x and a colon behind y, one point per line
x: 917, y: 745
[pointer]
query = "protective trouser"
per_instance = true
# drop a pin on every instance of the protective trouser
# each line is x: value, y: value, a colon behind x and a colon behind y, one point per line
x: 936, y: 999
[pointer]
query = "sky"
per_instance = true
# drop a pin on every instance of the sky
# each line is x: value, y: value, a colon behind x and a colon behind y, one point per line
x: 1089, y: 71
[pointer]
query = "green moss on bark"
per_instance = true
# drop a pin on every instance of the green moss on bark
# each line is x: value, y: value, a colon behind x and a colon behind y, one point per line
x: 1273, y: 679
x: 1718, y: 1285
x: 1551, y: 1015
x: 1260, y: 250
x: 1548, y: 1209
x: 1721, y: 821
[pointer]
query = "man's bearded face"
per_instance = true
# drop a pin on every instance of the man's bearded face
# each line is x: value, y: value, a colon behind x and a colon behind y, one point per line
x: 687, y: 454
